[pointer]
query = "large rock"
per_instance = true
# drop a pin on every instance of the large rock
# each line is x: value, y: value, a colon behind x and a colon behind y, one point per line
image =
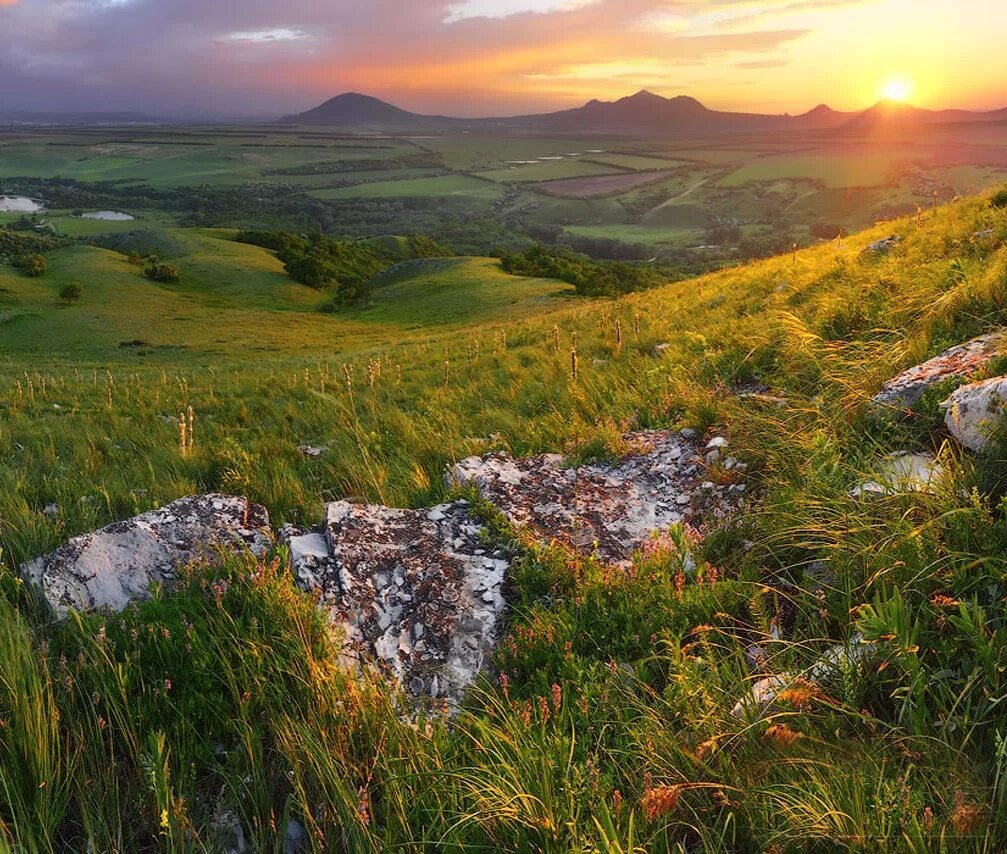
x: 974, y: 411
x: 960, y: 362
x: 110, y: 568
x: 417, y: 591
x: 608, y: 510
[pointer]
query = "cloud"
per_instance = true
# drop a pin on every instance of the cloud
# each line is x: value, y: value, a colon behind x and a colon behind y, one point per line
x: 271, y: 36
x: 474, y: 57
x: 506, y: 8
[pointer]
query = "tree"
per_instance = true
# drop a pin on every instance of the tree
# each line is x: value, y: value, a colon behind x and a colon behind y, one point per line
x: 71, y: 293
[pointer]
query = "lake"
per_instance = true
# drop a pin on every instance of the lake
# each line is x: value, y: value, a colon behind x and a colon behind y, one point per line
x: 109, y: 216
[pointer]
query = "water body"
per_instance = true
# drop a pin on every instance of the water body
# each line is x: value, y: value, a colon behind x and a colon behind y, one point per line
x: 18, y: 204
x: 109, y: 216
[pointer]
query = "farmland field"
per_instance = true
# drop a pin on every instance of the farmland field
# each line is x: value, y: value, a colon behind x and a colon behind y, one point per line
x: 478, y: 192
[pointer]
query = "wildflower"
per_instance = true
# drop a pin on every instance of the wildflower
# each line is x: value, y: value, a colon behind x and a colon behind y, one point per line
x: 706, y: 748
x: 167, y: 686
x: 939, y: 600
x: 617, y: 800
x: 165, y: 821
x: 782, y: 736
x: 967, y: 815
x: 543, y: 706
x: 660, y: 800
x: 928, y: 819
x: 505, y: 685
x: 557, y: 698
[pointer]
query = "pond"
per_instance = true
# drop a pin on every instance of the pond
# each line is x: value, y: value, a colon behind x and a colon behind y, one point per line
x: 109, y: 216
x: 18, y: 204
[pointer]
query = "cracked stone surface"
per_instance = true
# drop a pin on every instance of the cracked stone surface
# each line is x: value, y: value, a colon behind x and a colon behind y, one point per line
x: 906, y: 389
x: 974, y: 411
x: 417, y: 591
x: 109, y: 568
x: 608, y: 510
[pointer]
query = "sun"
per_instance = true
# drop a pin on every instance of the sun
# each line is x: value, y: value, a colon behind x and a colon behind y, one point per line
x: 897, y: 89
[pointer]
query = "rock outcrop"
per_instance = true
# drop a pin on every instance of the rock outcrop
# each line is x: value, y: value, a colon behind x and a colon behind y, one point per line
x: 417, y: 591
x: 960, y: 362
x: 607, y: 510
x: 885, y: 244
x: 110, y: 568
x: 417, y: 594
x: 973, y: 412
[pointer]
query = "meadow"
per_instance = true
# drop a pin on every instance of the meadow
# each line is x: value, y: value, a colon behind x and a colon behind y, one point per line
x: 606, y: 722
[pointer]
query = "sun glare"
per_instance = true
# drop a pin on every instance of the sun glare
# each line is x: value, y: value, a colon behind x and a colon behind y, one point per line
x: 897, y: 89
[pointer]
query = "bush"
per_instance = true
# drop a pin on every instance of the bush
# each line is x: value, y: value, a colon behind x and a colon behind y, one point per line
x: 999, y: 200
x: 71, y: 293
x: 161, y: 271
x: 33, y: 266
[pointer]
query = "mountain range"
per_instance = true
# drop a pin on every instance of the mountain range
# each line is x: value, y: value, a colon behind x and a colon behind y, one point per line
x: 642, y: 113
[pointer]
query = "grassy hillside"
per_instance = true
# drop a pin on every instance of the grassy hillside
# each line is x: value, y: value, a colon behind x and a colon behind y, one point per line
x: 613, y: 730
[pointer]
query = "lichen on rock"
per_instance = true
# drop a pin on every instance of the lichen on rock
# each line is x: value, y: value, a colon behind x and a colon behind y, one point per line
x: 109, y: 568
x: 608, y: 510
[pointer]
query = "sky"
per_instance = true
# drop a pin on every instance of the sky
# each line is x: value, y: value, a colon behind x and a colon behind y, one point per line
x: 496, y: 57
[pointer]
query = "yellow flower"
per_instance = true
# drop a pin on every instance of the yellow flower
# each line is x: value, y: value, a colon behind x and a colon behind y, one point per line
x: 165, y: 823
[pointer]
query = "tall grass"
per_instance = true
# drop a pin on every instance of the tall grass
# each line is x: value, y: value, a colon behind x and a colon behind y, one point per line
x: 606, y: 722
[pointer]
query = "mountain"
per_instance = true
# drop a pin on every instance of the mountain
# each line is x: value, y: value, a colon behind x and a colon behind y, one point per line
x: 355, y: 110
x: 644, y: 113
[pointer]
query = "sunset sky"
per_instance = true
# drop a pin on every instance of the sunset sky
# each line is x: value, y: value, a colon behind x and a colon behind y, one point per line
x: 496, y: 57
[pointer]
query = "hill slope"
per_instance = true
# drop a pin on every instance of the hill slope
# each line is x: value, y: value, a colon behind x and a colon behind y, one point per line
x: 607, y: 722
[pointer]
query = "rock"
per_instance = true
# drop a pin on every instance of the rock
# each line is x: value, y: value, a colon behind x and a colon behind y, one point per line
x: 900, y: 473
x: 600, y: 509
x: 974, y: 411
x: 961, y: 361
x: 312, y: 451
x: 661, y: 349
x: 825, y: 670
x: 51, y: 510
x: 884, y: 245
x: 110, y: 568
x: 415, y: 591
x: 227, y: 833
x: 293, y: 843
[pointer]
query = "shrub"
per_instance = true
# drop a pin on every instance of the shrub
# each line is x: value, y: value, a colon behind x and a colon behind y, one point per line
x: 71, y: 292
x: 161, y: 271
x: 34, y: 266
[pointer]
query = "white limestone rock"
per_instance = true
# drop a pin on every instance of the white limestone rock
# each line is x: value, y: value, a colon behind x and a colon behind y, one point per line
x: 960, y: 362
x: 974, y: 411
x: 418, y: 592
x: 899, y: 473
x: 110, y: 568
